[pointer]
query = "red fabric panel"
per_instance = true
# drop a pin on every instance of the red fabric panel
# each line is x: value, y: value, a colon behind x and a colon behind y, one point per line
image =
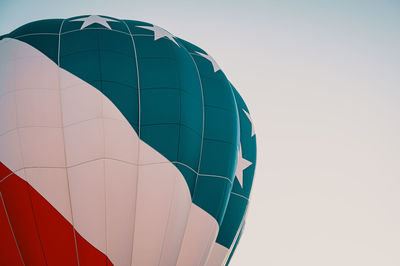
x: 30, y: 213
x: 89, y: 255
x: 9, y: 254
x: 56, y: 233
x: 4, y: 171
x: 18, y: 204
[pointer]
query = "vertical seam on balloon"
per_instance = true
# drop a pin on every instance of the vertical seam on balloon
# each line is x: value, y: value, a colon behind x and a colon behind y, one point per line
x: 104, y: 150
x: 12, y: 231
x: 138, y: 153
x: 63, y: 135
x: 177, y: 158
x: 23, y: 162
x: 34, y: 218
x: 209, y: 249
x: 236, y: 239
x: 202, y: 130
x: 201, y: 147
x: 233, y: 193
x: 237, y: 139
x: 180, y: 112
x: 237, y: 161
x: 168, y: 220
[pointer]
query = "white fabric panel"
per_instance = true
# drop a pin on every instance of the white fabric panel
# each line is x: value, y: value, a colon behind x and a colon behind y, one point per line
x: 7, y: 51
x: 110, y: 111
x: 38, y: 107
x: 80, y: 103
x: 68, y: 80
x: 219, y: 255
x: 7, y: 66
x: 121, y: 141
x: 179, y: 213
x: 10, y: 150
x: 42, y: 147
x: 8, y: 111
x: 7, y: 76
x: 121, y: 181
x: 201, y: 232
x: 24, y: 50
x: 30, y: 72
x: 87, y: 190
x: 52, y: 184
x: 155, y: 193
x: 84, y: 141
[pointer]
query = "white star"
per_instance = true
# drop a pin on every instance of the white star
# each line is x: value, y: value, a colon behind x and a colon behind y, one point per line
x: 242, y: 164
x: 209, y: 58
x: 253, y: 132
x: 159, y: 33
x: 94, y: 19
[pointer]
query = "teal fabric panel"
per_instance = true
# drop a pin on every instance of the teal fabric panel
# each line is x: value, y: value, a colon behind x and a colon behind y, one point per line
x: 238, y: 201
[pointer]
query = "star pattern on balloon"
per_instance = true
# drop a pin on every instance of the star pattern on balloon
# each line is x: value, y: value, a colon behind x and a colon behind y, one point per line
x: 209, y: 58
x: 241, y: 165
x: 92, y: 19
x: 253, y: 132
x: 159, y: 33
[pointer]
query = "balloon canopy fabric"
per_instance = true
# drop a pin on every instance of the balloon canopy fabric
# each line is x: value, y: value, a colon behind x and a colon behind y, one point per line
x: 120, y: 144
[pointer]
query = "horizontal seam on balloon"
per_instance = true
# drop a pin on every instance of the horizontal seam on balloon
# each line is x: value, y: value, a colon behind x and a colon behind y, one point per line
x: 4, y: 178
x: 158, y: 58
x: 218, y: 107
x: 159, y: 88
x: 97, y: 80
x: 94, y: 49
x: 168, y: 123
x: 33, y: 34
x: 56, y: 34
x: 107, y: 29
x: 222, y: 177
x: 213, y: 76
x: 195, y: 54
x: 107, y: 81
x: 113, y: 159
x: 236, y: 194
x: 23, y: 127
x: 26, y: 56
x: 114, y: 119
x: 210, y: 175
x: 93, y: 118
x: 189, y: 93
x: 219, y: 140
x: 20, y: 89
x: 54, y: 127
x: 85, y: 29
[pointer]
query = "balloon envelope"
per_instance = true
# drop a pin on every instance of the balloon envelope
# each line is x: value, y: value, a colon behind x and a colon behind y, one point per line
x: 120, y: 144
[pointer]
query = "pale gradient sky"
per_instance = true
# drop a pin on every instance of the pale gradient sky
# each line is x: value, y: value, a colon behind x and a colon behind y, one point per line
x: 322, y: 82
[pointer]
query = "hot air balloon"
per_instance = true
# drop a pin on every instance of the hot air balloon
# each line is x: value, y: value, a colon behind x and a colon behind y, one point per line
x: 120, y: 144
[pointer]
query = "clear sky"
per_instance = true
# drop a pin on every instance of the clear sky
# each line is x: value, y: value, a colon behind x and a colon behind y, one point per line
x: 322, y: 81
